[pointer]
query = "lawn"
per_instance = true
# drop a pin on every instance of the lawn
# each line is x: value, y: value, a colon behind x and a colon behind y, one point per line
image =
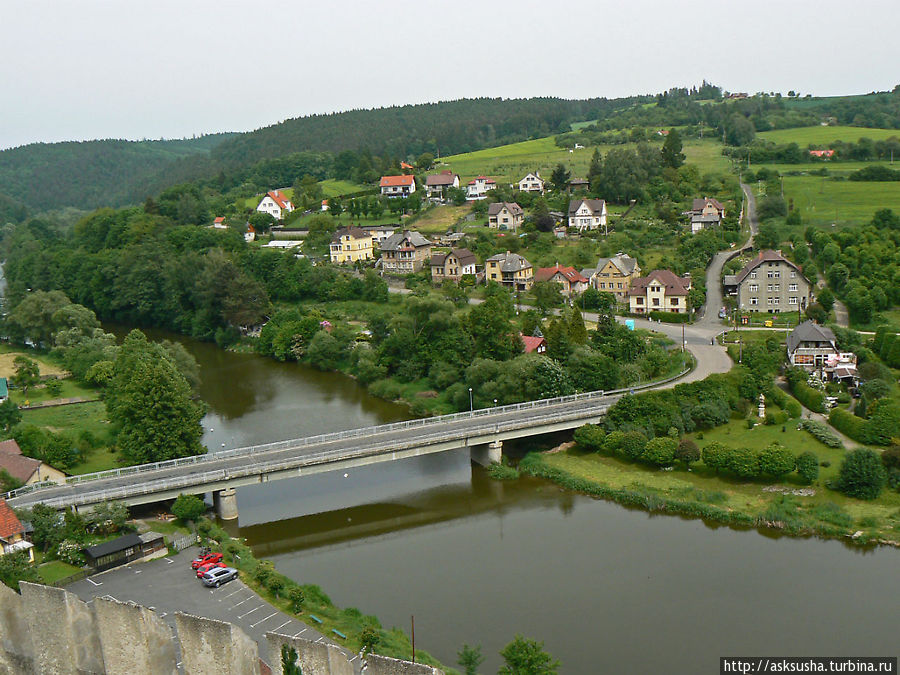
x: 439, y: 219
x: 54, y: 570
x: 74, y: 419
x: 69, y: 389
x: 707, y: 155
x: 823, y: 201
x: 336, y: 188
x: 833, y: 168
x: 8, y: 355
x: 819, y: 135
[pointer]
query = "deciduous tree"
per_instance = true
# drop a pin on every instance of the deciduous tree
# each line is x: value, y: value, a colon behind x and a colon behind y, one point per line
x: 523, y: 656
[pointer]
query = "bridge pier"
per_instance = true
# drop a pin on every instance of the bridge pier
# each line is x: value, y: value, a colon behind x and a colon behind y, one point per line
x: 225, y: 502
x: 487, y: 454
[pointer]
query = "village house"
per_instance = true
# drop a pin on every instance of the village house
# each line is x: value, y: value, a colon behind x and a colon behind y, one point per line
x: 451, y: 238
x: 505, y: 215
x: 26, y: 470
x: 814, y: 348
x: 250, y: 234
x: 569, y: 278
x: 12, y: 533
x: 534, y: 344
x: 404, y: 252
x: 219, y: 224
x: 276, y: 204
x: 614, y: 275
x: 821, y: 154
x: 579, y: 185
x: 437, y: 185
x: 769, y: 283
x: 452, y: 265
x: 509, y: 269
x: 659, y: 291
x: 532, y: 183
x: 705, y: 213
x: 397, y: 186
x: 587, y: 214
x: 479, y: 187
x: 350, y: 244
x: 379, y: 232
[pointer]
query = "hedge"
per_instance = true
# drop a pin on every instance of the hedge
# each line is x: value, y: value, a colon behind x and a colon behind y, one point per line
x: 813, y: 399
x: 848, y: 424
x: 670, y: 317
x: 822, y: 433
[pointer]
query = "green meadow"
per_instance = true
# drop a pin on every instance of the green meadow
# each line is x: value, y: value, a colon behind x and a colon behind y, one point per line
x: 820, y: 135
x: 824, y: 201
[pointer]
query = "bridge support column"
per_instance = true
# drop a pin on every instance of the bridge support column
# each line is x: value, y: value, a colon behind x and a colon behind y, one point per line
x: 225, y: 502
x: 490, y: 453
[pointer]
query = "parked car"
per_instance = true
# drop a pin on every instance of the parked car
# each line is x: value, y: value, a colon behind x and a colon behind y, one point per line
x: 218, y: 575
x: 203, y: 559
x: 206, y: 567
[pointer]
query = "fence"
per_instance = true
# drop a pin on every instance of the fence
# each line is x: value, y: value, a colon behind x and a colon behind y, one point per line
x: 72, y: 578
x: 183, y: 542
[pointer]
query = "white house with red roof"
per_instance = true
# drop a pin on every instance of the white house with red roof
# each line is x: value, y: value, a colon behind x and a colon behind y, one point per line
x: 276, y: 204
x: 479, y: 187
x: 397, y: 186
x: 659, y: 291
x: 219, y: 223
x: 571, y: 280
x: 534, y: 344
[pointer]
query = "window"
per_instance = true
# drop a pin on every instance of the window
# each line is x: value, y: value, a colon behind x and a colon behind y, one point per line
x: 776, y: 301
x: 792, y: 301
x: 656, y: 302
x: 752, y: 275
x: 602, y: 284
x: 754, y: 301
x: 754, y: 287
x: 769, y: 288
x: 778, y: 288
x: 792, y: 287
x: 776, y: 274
x: 768, y: 301
x: 640, y: 301
x: 770, y: 274
x: 793, y: 275
x: 620, y: 285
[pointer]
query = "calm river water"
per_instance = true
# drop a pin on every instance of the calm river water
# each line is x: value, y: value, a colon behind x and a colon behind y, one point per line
x: 608, y: 589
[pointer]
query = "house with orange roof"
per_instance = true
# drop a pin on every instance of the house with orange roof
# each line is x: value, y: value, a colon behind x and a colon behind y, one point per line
x: 821, y: 154
x: 397, y: 186
x: 219, y: 223
x: 571, y: 280
x: 659, y: 291
x: 12, y: 533
x: 478, y: 188
x: 276, y: 204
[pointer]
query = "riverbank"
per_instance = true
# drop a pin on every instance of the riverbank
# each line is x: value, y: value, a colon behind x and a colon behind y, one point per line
x: 783, y: 507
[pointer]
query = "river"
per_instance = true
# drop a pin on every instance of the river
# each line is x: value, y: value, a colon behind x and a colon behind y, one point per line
x: 608, y: 589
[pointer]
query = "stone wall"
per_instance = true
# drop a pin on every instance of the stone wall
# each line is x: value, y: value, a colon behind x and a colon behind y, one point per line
x: 49, y: 631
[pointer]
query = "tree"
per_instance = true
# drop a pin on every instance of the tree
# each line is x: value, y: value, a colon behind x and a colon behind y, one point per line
x: 687, y: 452
x: 289, y: 665
x: 10, y: 415
x: 470, y: 658
x: 671, y: 150
x: 425, y: 161
x: 547, y: 295
x: 150, y: 405
x: 276, y: 584
x: 297, y: 597
x: 825, y: 298
x: 560, y: 177
x: 188, y: 507
x: 33, y: 316
x: 807, y: 466
x: 527, y: 657
x: 369, y: 639
x: 660, y: 451
x: 776, y: 460
x: 767, y: 237
x: 261, y: 222
x: 738, y: 130
x: 715, y: 455
x: 27, y: 373
x: 744, y: 462
x: 862, y: 475
x: 634, y: 443
x: 16, y: 567
x: 577, y: 332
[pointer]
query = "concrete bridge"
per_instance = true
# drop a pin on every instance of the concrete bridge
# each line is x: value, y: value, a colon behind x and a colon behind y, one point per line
x: 482, y: 431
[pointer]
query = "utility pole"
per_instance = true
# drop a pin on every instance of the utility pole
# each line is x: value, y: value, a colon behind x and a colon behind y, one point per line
x: 412, y: 619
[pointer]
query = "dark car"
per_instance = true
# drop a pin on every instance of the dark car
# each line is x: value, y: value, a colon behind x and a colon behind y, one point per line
x: 203, y: 559
x: 218, y: 575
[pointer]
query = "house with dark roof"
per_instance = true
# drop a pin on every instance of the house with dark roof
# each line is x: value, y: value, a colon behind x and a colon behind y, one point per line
x: 531, y: 183
x: 404, y: 252
x: 614, y: 275
x: 705, y: 212
x: 579, y: 185
x: 276, y: 204
x: 12, y: 533
x: 571, y: 280
x: 452, y: 265
x: 350, y: 244
x: 26, y: 470
x: 397, y: 186
x: 769, y: 283
x: 436, y: 185
x: 587, y: 214
x: 509, y: 269
x: 505, y: 215
x: 125, y: 549
x: 659, y: 291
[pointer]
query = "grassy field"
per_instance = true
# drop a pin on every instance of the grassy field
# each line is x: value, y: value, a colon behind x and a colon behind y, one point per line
x: 8, y: 355
x: 820, y: 135
x: 707, y: 155
x: 335, y: 188
x: 54, y: 570
x: 74, y: 419
x: 823, y: 201
x: 441, y: 218
x: 834, y: 168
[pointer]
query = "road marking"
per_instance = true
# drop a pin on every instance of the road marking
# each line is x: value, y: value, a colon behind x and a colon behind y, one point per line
x: 137, y: 571
x: 254, y: 625
x: 281, y: 626
x: 170, y: 561
x: 232, y: 593
x: 242, y: 602
x: 96, y: 583
x: 250, y: 612
x: 300, y: 633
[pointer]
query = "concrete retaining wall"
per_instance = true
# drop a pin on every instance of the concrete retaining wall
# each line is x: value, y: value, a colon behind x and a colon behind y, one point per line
x: 315, y: 658
x: 16, y: 649
x: 210, y: 647
x: 134, y: 639
x: 383, y: 665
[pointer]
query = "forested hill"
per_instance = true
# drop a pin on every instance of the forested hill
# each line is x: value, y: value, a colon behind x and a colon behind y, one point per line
x: 88, y: 174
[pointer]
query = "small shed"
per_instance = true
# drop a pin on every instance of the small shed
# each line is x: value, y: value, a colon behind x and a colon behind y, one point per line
x: 116, y: 552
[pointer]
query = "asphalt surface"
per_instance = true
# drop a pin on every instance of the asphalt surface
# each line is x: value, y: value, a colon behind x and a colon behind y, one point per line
x: 169, y: 585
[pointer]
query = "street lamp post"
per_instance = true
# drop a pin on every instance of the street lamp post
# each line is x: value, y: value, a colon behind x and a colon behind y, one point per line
x: 495, y: 403
x: 471, y: 404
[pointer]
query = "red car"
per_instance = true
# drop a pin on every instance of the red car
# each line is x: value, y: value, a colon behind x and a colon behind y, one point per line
x: 208, y: 558
x: 206, y: 567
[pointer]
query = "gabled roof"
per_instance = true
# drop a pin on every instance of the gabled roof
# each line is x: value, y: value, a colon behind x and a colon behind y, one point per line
x: 220, y: 219
x: 279, y: 198
x: 675, y: 285
x: 699, y: 204
x: 624, y: 263
x: 810, y: 331
x: 118, y: 544
x: 440, y: 179
x: 822, y: 153
x: 397, y: 181
x: 16, y: 464
x: 532, y: 343
x: 9, y: 524
x: 767, y: 255
x: 512, y: 207
x: 570, y: 273
x: 532, y: 175
x: 482, y: 178
x: 463, y: 255
x: 708, y: 218
x: 353, y: 232
x: 396, y: 241
x: 595, y: 205
x: 406, y: 165
x: 510, y: 262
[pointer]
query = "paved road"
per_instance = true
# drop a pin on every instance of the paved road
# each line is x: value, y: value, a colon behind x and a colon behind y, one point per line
x: 169, y: 585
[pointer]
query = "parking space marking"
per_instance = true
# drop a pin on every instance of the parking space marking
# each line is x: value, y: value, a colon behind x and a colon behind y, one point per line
x: 241, y: 602
x: 254, y: 625
x: 300, y: 633
x: 232, y: 593
x: 250, y: 612
x: 96, y: 583
x: 137, y: 571
x: 281, y: 626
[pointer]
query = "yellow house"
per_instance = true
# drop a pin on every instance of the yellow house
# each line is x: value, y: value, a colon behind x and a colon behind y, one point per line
x: 350, y: 244
x: 614, y: 275
x: 659, y: 291
x: 509, y: 269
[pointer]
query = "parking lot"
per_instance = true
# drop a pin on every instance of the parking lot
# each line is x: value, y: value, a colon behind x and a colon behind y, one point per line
x: 169, y: 585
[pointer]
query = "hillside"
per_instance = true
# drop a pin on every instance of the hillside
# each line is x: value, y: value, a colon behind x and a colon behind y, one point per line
x: 89, y: 174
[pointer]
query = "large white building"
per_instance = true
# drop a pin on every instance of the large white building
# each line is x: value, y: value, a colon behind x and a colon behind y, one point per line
x: 587, y: 214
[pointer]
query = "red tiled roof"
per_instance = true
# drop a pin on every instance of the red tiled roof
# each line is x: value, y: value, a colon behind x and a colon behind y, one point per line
x: 9, y: 524
x: 532, y: 343
x: 484, y: 178
x: 822, y: 153
x: 406, y: 165
x: 396, y: 181
x: 279, y: 198
x: 570, y: 273
x: 220, y: 219
x: 675, y: 285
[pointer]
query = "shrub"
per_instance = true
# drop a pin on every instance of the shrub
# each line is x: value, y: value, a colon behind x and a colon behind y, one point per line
x: 744, y: 463
x: 670, y: 317
x: 297, y: 597
x: 499, y: 471
x: 70, y: 552
x: 776, y: 460
x: 188, y: 507
x: 822, y: 433
x: 660, y: 451
x: 634, y: 443
x: 862, y: 474
x: 687, y: 452
x: 715, y: 455
x: 891, y: 457
x: 807, y: 466
x: 813, y: 399
x: 883, y: 423
x: 792, y: 408
x: 590, y: 437
x: 833, y: 514
x: 613, y: 441
x: 848, y: 424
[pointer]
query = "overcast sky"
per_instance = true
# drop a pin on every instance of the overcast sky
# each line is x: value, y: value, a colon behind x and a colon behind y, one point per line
x: 173, y: 68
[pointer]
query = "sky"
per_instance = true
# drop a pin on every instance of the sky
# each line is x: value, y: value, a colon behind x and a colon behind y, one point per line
x: 174, y: 68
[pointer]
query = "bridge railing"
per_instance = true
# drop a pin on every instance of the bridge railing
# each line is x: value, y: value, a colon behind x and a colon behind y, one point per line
x: 248, y: 451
